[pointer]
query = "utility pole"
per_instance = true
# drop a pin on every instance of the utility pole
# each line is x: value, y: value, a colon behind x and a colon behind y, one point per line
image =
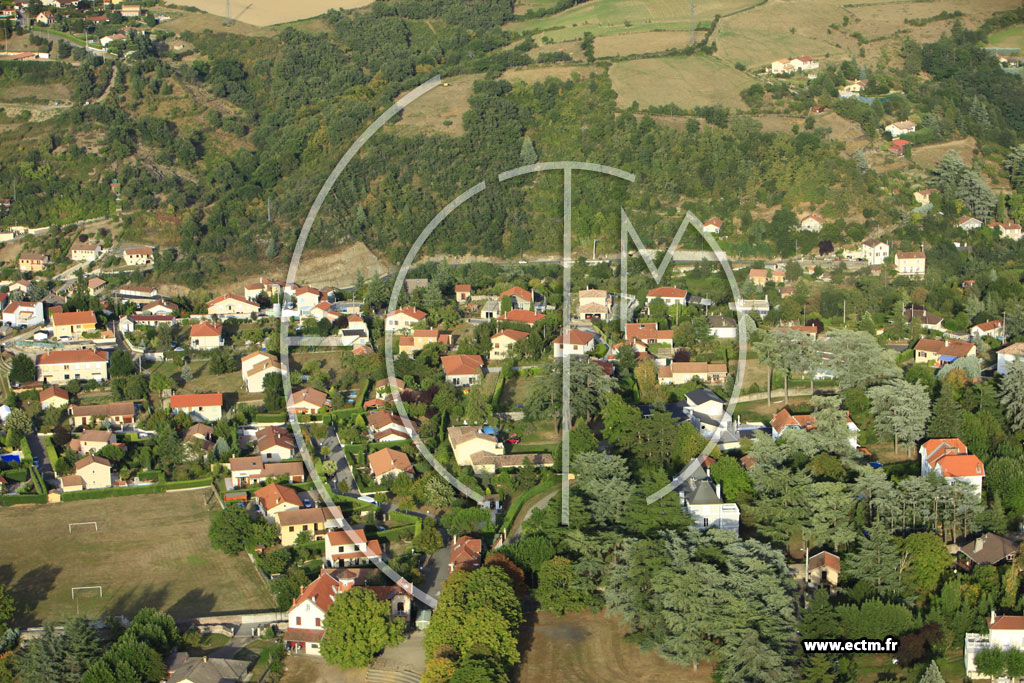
x: 844, y: 312
x: 227, y: 12
x: 594, y: 256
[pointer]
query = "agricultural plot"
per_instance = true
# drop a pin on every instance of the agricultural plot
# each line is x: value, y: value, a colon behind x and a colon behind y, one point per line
x: 540, y: 74
x: 1012, y: 38
x: 148, y: 551
x: 641, y: 43
x: 267, y: 13
x: 685, y: 81
x: 441, y: 109
x: 611, y: 17
x: 779, y: 30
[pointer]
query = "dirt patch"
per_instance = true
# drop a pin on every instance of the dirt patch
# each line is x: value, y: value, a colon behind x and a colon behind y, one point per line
x: 580, y: 648
x: 310, y: 669
x: 929, y: 155
x: 542, y: 73
x: 441, y: 109
x: 340, y: 267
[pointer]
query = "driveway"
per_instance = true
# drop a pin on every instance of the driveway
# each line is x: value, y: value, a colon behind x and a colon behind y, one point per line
x: 435, y: 567
x: 337, y: 454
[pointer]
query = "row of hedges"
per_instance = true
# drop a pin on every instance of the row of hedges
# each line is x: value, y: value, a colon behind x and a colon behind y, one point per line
x: 135, y: 490
x: 37, y: 479
x: 16, y: 475
x: 271, y: 417
x: 361, y: 394
x: 401, y: 533
x: 399, y: 516
x: 51, y: 452
x: 35, y: 498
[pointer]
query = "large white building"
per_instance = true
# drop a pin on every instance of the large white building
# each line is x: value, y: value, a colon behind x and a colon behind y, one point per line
x: 702, y: 498
x: 1007, y: 355
x: 1004, y: 632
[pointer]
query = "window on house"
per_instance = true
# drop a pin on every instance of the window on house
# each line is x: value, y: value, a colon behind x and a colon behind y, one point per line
x: 318, y: 621
x: 298, y: 621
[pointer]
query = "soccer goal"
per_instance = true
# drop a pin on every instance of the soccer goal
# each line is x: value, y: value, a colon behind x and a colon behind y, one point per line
x: 94, y: 525
x: 74, y: 597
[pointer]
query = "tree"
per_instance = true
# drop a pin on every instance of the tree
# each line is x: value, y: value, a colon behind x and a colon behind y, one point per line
x: 559, y: 590
x: 6, y: 608
x: 1011, y: 396
x: 18, y: 422
x: 926, y: 561
x: 477, y: 613
x: 605, y: 483
x: 22, y: 369
x: 589, y: 387
x: 121, y: 363
x: 877, y: 560
x: 528, y: 153
x: 186, y: 373
x: 428, y: 540
x: 273, y: 392
x: 902, y: 409
x: 357, y: 626
x: 780, y: 350
x: 230, y: 529
x: 855, y: 359
x: 990, y: 661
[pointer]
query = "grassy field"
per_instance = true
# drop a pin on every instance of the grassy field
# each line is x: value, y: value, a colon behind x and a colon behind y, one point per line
x: 523, y: 6
x: 610, y: 17
x: 778, y: 30
x: 540, y: 74
x: 584, y: 647
x: 1012, y: 37
x: 929, y: 155
x: 685, y: 81
x: 267, y: 13
x: 150, y: 551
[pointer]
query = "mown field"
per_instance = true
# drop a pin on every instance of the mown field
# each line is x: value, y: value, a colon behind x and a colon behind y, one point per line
x: 585, y: 647
x: 685, y: 81
x: 609, y: 17
x: 150, y: 551
x: 1012, y: 37
x: 268, y: 13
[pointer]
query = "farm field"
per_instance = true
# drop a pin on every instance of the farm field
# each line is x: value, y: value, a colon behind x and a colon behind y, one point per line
x: 609, y: 17
x: 929, y: 155
x: 640, y: 43
x: 266, y: 13
x: 1012, y: 37
x: 540, y: 74
x: 779, y: 30
x: 584, y: 647
x: 685, y: 81
x: 150, y: 551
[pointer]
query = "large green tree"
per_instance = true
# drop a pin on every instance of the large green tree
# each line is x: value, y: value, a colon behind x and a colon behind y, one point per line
x: 1011, y: 396
x: 356, y: 627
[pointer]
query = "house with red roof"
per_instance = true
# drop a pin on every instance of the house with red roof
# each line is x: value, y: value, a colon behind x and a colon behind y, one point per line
x: 466, y: 554
x: 520, y: 298
x: 679, y: 372
x: 384, y: 425
x: 402, y: 319
x: 990, y: 328
x: 521, y: 316
x: 672, y: 296
x: 273, y: 499
x: 60, y: 367
x: 503, y: 341
x: 823, y: 568
x: 308, y: 401
x: 950, y: 459
x: 785, y: 420
x: 463, y: 369
x: 72, y: 324
x: 206, y: 335
x: 463, y: 293
x: 138, y: 256
x: 898, y: 147
x: 939, y: 352
x: 231, y: 306
x: 573, y: 343
x: 350, y: 548
x: 54, y: 397
x: 200, y: 407
x: 647, y: 334
x: 387, y: 462
x: 712, y: 225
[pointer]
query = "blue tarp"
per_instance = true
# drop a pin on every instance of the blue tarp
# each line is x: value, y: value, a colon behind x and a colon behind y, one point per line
x: 947, y: 359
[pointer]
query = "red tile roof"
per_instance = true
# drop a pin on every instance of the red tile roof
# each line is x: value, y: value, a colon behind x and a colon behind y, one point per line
x: 273, y: 495
x: 206, y: 329
x: 578, y: 337
x: 69, y: 357
x: 388, y: 459
x: 461, y: 364
x: 522, y: 316
x: 196, y: 400
x: 74, y: 318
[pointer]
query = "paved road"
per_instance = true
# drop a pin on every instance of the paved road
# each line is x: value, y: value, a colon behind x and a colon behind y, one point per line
x: 516, y: 530
x: 337, y: 454
x: 40, y: 459
x: 435, y: 567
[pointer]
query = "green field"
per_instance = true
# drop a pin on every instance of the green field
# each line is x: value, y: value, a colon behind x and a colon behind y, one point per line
x: 150, y: 551
x: 608, y: 17
x: 685, y: 81
x: 1008, y: 37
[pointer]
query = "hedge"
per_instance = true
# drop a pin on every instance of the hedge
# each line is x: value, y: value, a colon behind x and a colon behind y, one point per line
x: 272, y: 417
x: 400, y: 533
x: 18, y: 474
x: 496, y: 396
x: 134, y: 490
x: 361, y: 394
x: 22, y: 499
x: 37, y: 478
x: 398, y: 515
x: 51, y: 452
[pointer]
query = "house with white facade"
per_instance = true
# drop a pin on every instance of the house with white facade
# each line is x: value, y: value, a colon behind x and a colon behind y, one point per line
x: 1007, y: 355
x: 702, y: 498
x: 950, y: 459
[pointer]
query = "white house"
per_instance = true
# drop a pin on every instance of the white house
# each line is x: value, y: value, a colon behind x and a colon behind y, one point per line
x: 672, y: 296
x: 910, y: 263
x: 574, y: 343
x: 949, y: 457
x: 989, y: 328
x: 812, y: 222
x: 1008, y: 354
x: 702, y: 498
x: 874, y: 252
x: 1004, y: 632
x: 713, y: 226
x: 898, y: 128
x: 23, y: 313
x: 968, y: 223
x: 722, y: 327
x: 403, y: 319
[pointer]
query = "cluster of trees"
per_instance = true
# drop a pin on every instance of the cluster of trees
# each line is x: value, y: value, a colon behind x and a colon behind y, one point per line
x: 79, y: 654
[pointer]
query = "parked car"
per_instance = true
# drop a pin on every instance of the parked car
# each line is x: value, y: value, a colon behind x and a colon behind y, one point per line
x: 513, y: 438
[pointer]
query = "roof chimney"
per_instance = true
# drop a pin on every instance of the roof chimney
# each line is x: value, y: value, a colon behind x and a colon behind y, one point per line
x: 718, y: 490
x: 979, y: 543
x: 992, y: 618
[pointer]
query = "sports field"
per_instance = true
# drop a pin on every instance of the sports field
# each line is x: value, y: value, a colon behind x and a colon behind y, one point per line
x: 609, y: 17
x: 150, y: 551
x: 686, y: 81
